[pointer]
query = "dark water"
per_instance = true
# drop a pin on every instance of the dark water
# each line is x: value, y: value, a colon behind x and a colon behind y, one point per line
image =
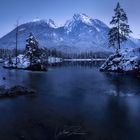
x: 104, y: 106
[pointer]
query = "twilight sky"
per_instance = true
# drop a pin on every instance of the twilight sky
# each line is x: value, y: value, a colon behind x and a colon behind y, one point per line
x: 62, y: 10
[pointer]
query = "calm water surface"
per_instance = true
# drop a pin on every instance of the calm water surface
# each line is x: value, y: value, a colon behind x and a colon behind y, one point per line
x: 105, y: 106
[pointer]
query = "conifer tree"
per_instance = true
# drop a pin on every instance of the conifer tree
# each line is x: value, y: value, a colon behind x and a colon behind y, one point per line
x: 32, y: 51
x: 120, y: 29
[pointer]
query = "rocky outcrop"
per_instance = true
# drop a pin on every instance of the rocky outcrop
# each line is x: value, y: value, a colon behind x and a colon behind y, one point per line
x: 127, y: 61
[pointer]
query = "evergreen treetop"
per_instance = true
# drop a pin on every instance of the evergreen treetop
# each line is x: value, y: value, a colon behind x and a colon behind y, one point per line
x: 32, y: 50
x: 120, y: 29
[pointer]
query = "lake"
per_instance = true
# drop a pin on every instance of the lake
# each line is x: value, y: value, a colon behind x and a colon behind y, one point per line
x: 71, y: 97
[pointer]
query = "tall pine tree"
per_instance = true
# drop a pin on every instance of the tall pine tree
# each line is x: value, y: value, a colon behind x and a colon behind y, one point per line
x: 32, y: 51
x: 120, y: 30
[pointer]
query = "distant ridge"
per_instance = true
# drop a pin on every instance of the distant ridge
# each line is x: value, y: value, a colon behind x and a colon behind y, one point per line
x: 80, y: 33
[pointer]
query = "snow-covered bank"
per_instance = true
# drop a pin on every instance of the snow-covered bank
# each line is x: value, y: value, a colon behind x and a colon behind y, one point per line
x: 79, y: 60
x: 24, y: 63
x: 127, y: 61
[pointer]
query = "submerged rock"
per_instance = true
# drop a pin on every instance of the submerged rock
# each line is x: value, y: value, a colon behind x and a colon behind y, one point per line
x: 4, y: 78
x: 15, y: 91
x: 125, y: 62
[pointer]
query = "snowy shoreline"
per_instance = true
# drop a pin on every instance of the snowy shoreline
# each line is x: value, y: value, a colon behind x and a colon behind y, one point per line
x: 79, y: 60
x: 23, y: 62
x: 127, y: 62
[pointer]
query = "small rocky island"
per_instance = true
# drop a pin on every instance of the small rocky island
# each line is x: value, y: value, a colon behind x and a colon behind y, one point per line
x: 34, y: 58
x: 124, y: 62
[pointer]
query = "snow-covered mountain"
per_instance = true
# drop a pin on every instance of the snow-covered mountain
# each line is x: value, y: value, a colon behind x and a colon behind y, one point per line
x: 80, y: 33
x: 86, y: 33
x: 50, y: 22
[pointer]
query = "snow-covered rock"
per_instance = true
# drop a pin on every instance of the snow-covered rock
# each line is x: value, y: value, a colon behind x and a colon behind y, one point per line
x: 22, y: 62
x: 126, y: 61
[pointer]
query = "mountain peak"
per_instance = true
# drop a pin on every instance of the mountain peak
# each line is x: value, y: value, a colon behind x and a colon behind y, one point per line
x: 78, y: 18
x: 81, y: 17
x: 52, y: 23
x: 36, y: 19
x: 84, y: 18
